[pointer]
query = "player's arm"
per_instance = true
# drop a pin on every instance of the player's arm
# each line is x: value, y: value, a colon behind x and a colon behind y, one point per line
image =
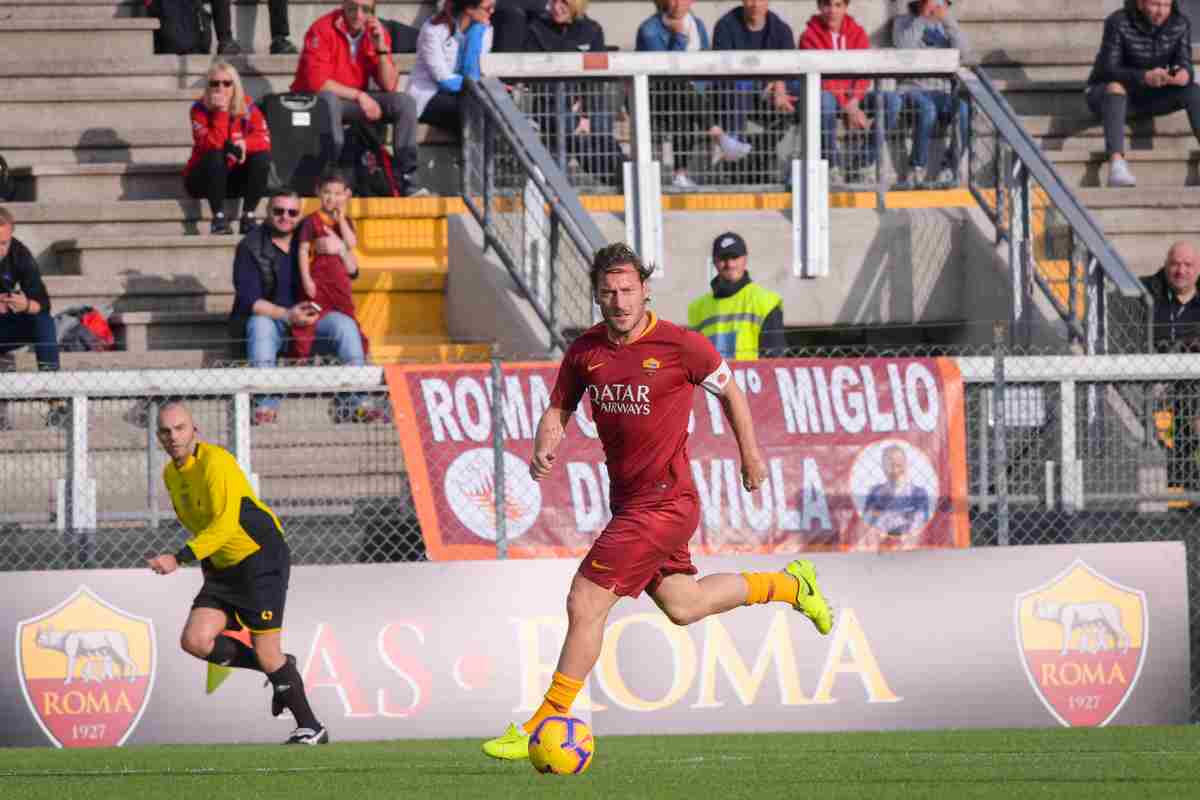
x: 550, y: 431
x: 564, y: 398
x: 737, y: 412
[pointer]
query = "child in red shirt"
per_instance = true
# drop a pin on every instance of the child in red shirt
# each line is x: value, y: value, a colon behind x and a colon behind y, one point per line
x: 325, y: 277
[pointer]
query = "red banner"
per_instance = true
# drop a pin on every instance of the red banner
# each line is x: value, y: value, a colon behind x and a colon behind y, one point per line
x: 862, y: 454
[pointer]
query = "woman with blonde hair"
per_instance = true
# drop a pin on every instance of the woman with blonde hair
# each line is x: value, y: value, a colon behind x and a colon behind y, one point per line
x: 231, y: 148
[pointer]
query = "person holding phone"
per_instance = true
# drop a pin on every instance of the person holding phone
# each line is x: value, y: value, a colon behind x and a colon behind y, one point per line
x: 343, y: 52
x: 1143, y: 68
x: 231, y: 149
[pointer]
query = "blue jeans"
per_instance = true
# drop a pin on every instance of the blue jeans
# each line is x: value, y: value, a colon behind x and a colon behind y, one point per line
x: 830, y: 111
x: 18, y: 330
x: 933, y: 109
x: 337, y: 335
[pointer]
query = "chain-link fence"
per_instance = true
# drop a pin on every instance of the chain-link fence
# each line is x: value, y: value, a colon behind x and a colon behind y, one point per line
x: 1060, y: 448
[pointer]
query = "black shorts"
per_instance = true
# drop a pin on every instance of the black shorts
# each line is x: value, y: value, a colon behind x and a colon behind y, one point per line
x: 252, y: 593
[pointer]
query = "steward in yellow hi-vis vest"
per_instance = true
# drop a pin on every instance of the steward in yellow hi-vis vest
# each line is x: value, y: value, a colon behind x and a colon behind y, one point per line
x: 742, y: 319
x: 245, y: 561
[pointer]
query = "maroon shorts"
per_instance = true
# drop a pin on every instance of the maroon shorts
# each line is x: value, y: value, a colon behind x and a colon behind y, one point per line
x: 642, y: 545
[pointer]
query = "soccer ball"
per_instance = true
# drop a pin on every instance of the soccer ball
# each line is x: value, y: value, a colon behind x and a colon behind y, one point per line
x: 561, y: 746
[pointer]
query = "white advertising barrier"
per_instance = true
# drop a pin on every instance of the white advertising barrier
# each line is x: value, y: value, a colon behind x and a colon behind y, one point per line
x: 1080, y: 635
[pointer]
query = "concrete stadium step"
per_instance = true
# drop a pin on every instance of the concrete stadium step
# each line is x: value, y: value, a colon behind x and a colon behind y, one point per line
x: 1036, y: 26
x: 75, y: 9
x: 174, y: 255
x: 52, y: 37
x: 40, y: 225
x: 139, y: 331
x: 74, y: 109
x: 1034, y: 97
x: 1064, y: 9
x: 26, y: 361
x: 1071, y: 132
x: 261, y: 74
x: 1161, y: 167
x: 137, y: 291
x: 67, y: 183
x: 97, y: 145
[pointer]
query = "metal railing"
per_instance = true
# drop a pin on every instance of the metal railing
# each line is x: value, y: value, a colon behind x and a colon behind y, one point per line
x: 1055, y: 453
x: 530, y: 215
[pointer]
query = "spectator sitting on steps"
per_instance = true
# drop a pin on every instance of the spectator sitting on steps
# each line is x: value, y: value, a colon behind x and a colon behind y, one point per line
x: 930, y: 25
x: 1177, y: 330
x: 266, y: 284
x: 281, y: 45
x: 1144, y: 68
x: 449, y: 48
x: 685, y: 107
x: 25, y: 308
x: 231, y: 149
x: 343, y: 51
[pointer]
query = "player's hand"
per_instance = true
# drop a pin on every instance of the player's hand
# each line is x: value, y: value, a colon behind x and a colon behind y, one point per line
x: 541, y: 465
x: 375, y: 29
x: 1180, y: 78
x: 301, y: 315
x: 754, y: 473
x: 15, y: 301
x: 369, y: 107
x: 240, y: 146
x: 857, y: 118
x: 163, y: 565
x: 783, y: 102
x: 1157, y: 78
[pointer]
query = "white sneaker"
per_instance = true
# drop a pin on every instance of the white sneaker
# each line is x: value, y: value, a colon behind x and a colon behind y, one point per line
x: 682, y: 181
x: 732, y: 149
x: 1119, y: 174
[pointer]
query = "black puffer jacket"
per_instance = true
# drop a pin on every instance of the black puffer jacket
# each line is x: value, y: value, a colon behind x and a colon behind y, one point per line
x: 1176, y: 325
x: 1131, y: 46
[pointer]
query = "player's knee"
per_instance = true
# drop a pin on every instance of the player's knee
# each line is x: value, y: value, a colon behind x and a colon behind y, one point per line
x: 196, y: 643
x: 682, y: 615
x: 1114, y: 88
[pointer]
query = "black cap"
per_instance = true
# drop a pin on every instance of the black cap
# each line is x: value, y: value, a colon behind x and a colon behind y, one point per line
x: 728, y: 245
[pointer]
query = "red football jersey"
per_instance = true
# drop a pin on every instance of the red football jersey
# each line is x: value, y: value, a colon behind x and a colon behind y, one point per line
x: 642, y: 395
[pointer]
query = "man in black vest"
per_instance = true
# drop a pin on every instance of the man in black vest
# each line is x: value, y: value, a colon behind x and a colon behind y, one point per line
x: 266, y: 282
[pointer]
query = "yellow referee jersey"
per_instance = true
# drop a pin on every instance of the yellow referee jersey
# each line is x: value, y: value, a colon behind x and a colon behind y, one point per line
x: 215, y: 502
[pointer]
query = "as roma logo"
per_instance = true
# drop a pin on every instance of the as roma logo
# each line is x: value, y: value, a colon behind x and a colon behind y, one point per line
x: 1083, y: 640
x: 87, y: 670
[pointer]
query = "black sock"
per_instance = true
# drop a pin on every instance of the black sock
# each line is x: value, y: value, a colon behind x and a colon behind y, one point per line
x: 286, y: 682
x: 229, y: 652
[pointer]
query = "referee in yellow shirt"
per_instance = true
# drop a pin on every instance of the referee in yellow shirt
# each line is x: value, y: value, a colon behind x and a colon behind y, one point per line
x: 245, y: 562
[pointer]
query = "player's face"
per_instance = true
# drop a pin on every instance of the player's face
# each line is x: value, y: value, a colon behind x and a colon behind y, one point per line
x: 1156, y: 11
x: 832, y: 13
x: 622, y: 299
x: 895, y: 465
x: 6, y: 233
x: 285, y: 214
x: 1183, y: 267
x: 357, y: 13
x: 754, y: 12
x: 176, y: 433
x: 732, y: 269
x: 332, y: 195
x: 678, y: 9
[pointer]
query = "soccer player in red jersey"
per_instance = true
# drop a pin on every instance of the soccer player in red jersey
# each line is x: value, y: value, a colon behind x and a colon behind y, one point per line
x: 640, y: 373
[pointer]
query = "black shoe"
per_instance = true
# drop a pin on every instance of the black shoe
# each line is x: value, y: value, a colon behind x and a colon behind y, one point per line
x: 220, y: 226
x: 282, y: 46
x: 276, y: 697
x: 229, y: 48
x: 247, y: 224
x: 309, y: 736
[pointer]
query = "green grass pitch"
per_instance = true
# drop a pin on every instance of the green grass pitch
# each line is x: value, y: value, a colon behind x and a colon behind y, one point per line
x: 1124, y: 763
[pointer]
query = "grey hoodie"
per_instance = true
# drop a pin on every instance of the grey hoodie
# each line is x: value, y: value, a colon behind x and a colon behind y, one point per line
x: 911, y: 32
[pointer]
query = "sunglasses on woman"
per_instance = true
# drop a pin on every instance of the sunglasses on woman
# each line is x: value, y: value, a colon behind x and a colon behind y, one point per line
x: 291, y: 212
x: 220, y: 84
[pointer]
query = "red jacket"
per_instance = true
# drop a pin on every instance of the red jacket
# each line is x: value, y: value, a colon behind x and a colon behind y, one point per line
x: 212, y: 129
x: 817, y: 37
x: 326, y: 55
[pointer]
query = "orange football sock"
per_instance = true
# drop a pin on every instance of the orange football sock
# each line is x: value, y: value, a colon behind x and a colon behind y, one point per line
x: 763, y: 587
x: 558, y: 700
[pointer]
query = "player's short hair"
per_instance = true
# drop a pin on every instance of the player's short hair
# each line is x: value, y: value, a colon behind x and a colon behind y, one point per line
x: 7, y: 218
x: 333, y: 175
x: 284, y: 192
x: 614, y: 256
